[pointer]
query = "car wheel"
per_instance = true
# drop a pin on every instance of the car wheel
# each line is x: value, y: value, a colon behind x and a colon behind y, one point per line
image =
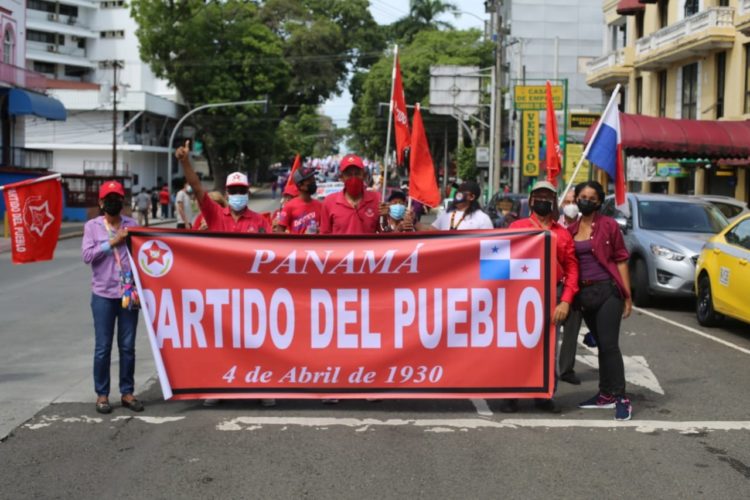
x: 641, y: 295
x: 704, y: 304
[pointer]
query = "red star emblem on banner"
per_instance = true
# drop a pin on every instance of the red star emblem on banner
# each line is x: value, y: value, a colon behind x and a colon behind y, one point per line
x: 40, y: 217
x: 155, y: 254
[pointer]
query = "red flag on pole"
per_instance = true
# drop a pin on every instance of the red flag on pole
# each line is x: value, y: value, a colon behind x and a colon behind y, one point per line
x: 553, y: 141
x: 423, y: 185
x: 400, y: 118
x: 34, y: 215
x: 290, y: 181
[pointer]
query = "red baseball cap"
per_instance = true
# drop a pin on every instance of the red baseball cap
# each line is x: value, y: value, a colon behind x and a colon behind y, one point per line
x: 351, y: 160
x: 110, y: 187
x: 237, y: 179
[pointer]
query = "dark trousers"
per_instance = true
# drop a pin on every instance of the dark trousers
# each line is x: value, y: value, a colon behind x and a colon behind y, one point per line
x: 154, y: 209
x: 570, y: 330
x: 604, y: 323
x: 165, y: 211
x: 106, y: 311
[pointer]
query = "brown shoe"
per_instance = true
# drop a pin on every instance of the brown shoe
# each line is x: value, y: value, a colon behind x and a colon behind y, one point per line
x: 103, y: 406
x: 129, y: 401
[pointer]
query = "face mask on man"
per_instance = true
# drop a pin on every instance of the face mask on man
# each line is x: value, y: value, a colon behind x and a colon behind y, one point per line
x: 112, y: 206
x: 189, y: 189
x: 312, y: 188
x: 238, y: 202
x: 354, y: 186
x: 397, y: 211
x: 571, y: 211
x: 587, y: 207
x: 542, y: 207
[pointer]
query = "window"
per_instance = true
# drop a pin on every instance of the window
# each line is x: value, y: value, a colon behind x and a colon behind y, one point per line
x: 9, y: 47
x: 740, y: 235
x: 663, y: 13
x: 639, y: 95
x: 691, y: 7
x: 723, y: 3
x: 113, y: 5
x: 639, y: 25
x: 40, y: 36
x: 690, y: 91
x: 663, y: 93
x: 43, y: 67
x: 721, y: 67
x: 747, y: 78
x: 112, y: 34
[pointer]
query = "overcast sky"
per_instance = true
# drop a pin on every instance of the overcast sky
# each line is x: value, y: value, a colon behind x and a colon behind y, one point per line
x: 387, y: 11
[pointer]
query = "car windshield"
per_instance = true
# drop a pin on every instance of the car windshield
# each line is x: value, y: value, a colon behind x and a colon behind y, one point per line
x: 685, y: 217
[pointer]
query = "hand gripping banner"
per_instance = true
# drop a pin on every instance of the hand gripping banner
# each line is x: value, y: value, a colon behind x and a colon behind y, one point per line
x: 423, y: 315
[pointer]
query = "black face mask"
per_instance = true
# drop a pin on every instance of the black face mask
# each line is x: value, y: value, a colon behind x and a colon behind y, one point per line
x: 542, y: 207
x: 587, y: 207
x: 112, y: 206
x: 312, y: 188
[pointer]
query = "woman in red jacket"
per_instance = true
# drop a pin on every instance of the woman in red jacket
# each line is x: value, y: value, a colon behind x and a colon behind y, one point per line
x: 604, y: 295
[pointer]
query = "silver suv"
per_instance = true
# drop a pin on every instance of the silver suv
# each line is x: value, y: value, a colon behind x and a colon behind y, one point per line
x: 664, y: 235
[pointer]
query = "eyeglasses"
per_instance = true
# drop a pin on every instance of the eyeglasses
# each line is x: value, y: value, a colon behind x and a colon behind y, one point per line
x: 237, y: 190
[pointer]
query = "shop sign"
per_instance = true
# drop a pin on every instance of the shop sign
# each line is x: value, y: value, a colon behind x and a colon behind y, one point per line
x: 531, y: 143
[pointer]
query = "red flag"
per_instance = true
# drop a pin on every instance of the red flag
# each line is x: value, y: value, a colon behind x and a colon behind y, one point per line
x: 553, y: 141
x: 400, y: 118
x: 290, y: 181
x: 34, y: 216
x: 423, y: 185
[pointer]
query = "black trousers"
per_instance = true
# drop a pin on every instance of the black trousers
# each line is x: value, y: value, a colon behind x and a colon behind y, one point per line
x: 604, y: 323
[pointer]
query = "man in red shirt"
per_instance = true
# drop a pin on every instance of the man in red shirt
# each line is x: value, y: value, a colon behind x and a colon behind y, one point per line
x: 542, y: 202
x: 353, y: 210
x: 236, y: 217
x: 301, y: 214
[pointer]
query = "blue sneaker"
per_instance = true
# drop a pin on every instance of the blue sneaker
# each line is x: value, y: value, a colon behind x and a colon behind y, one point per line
x: 589, y: 340
x: 623, y: 409
x: 601, y: 400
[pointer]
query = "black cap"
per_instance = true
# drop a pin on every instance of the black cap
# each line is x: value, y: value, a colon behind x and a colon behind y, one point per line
x: 396, y: 195
x: 302, y: 174
x: 470, y: 187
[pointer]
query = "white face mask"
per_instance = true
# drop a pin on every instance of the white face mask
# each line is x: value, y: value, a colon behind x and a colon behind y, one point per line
x: 571, y: 211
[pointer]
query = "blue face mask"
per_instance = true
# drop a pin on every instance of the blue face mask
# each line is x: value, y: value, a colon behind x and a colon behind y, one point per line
x: 237, y: 202
x: 397, y: 211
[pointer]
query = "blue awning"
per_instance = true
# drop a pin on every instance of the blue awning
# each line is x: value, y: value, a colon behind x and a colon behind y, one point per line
x: 24, y: 102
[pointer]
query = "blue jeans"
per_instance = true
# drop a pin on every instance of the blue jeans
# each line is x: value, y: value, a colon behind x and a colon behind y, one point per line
x: 105, y: 312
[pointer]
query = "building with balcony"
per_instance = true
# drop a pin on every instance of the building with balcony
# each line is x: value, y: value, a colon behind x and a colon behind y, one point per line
x: 685, y: 70
x: 86, y: 49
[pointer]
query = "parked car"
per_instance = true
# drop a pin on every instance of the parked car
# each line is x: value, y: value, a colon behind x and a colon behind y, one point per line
x: 664, y: 235
x: 722, y: 275
x: 520, y: 207
x: 732, y: 208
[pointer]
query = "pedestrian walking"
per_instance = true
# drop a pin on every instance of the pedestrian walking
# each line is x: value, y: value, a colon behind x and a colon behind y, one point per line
x: 164, y: 202
x: 184, y: 207
x: 604, y: 296
x: 112, y: 296
x: 142, y: 207
x: 154, y: 203
x: 543, y: 203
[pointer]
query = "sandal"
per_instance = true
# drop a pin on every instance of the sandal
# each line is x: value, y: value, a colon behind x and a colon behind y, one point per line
x: 103, y: 407
x: 132, y: 404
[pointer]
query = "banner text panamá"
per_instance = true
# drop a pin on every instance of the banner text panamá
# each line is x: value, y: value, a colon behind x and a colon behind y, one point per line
x: 424, y: 315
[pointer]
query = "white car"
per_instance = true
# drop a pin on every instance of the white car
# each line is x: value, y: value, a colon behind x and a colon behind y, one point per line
x: 732, y: 208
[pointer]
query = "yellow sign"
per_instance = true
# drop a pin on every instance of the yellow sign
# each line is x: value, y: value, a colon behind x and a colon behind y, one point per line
x: 530, y: 150
x: 574, y: 154
x: 528, y: 97
x: 583, y: 120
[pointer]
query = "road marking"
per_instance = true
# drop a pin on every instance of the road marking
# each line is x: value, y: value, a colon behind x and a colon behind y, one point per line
x: 694, y: 330
x: 48, y: 420
x: 482, y: 407
x: 458, y: 424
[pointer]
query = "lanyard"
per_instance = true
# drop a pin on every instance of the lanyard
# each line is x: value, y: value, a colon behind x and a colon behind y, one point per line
x: 453, y: 215
x: 111, y: 234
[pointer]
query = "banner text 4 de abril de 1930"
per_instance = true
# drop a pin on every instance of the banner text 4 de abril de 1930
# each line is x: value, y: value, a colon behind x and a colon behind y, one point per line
x: 424, y: 315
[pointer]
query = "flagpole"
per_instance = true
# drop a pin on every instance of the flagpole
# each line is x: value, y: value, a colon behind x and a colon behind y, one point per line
x: 33, y: 181
x: 591, y: 142
x: 390, y: 121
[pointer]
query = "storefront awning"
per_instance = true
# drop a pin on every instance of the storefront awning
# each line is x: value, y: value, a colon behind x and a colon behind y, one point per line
x: 671, y: 138
x: 24, y: 102
x: 629, y: 7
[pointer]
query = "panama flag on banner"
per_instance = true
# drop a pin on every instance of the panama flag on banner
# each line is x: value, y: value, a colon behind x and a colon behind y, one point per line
x: 34, y: 215
x: 496, y: 263
x: 400, y: 118
x: 606, y: 150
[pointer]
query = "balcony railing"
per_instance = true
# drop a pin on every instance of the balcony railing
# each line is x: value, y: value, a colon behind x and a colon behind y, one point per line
x: 744, y: 7
x: 713, y: 17
x: 616, y: 58
x: 22, y: 77
x: 26, y: 158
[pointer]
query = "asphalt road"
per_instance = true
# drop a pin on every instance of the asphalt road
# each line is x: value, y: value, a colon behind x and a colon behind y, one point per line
x: 689, y: 437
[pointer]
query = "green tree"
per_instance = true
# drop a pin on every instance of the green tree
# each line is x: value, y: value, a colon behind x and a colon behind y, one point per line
x: 423, y: 15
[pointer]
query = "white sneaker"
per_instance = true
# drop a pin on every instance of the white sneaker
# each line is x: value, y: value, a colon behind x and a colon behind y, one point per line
x: 268, y: 403
x: 211, y: 402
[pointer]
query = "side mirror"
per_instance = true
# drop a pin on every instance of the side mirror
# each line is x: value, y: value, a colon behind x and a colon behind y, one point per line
x: 623, y: 223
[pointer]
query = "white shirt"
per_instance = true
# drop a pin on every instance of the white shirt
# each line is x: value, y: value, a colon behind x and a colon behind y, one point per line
x: 184, y: 198
x: 475, y: 220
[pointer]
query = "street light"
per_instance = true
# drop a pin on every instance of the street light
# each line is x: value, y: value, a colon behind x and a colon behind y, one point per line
x: 199, y: 108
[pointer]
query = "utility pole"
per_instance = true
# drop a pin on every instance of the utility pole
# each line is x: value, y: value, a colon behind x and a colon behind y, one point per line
x: 495, y: 8
x: 115, y: 66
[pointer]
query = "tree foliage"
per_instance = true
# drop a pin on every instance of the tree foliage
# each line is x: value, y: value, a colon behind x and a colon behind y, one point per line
x: 298, y: 53
x: 423, y: 15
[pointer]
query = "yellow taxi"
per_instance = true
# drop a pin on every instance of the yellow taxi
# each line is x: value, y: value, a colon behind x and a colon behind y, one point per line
x: 722, y: 275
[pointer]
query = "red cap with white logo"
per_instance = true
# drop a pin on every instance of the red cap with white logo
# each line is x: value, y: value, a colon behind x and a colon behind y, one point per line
x: 110, y: 187
x: 237, y: 179
x: 351, y: 161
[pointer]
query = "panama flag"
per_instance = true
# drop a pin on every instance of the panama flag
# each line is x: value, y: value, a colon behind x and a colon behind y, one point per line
x: 495, y: 263
x: 606, y: 150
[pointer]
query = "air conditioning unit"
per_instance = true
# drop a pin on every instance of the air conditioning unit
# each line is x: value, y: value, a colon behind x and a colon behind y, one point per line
x: 52, y: 17
x: 51, y: 48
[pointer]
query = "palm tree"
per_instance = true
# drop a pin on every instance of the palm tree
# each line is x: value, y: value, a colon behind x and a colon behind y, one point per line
x: 423, y: 15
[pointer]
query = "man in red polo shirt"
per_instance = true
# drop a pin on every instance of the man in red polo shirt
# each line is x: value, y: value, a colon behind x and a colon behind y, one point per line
x: 236, y: 217
x: 301, y: 214
x: 543, y: 204
x: 355, y: 210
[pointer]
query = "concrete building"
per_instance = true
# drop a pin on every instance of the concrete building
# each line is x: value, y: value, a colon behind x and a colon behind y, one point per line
x: 686, y: 63
x: 80, y: 45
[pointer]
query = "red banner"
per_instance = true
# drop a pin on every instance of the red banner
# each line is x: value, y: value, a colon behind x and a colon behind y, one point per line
x: 554, y: 156
x: 423, y: 185
x: 422, y: 315
x: 34, y: 216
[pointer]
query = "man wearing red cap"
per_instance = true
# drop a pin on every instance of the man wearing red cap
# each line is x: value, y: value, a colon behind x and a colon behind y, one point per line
x: 355, y: 210
x: 103, y: 246
x: 236, y: 217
